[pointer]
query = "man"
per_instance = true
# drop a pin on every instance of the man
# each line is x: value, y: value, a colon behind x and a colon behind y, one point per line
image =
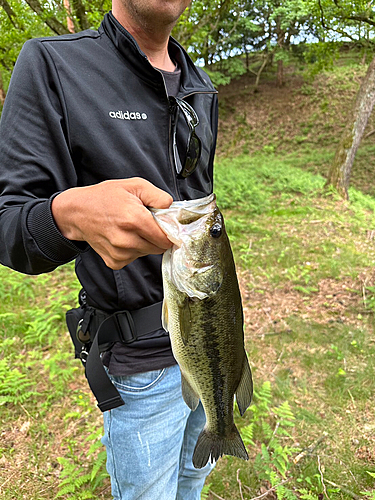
x: 98, y: 126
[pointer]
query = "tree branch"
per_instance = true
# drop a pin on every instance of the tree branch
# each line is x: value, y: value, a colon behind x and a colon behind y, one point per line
x: 80, y: 12
x: 271, y: 490
x: 361, y: 18
x: 369, y: 134
x: 53, y: 23
x: 322, y: 15
x: 9, y: 12
x: 345, y: 490
x: 5, y: 65
x: 344, y: 34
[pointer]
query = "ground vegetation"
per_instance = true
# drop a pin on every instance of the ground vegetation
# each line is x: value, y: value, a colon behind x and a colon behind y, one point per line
x: 305, y: 260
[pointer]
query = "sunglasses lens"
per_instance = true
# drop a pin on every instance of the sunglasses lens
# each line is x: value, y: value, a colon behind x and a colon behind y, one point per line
x: 192, y: 156
x: 194, y: 146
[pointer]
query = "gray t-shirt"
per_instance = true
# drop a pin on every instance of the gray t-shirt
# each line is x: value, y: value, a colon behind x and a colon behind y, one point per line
x: 172, y: 80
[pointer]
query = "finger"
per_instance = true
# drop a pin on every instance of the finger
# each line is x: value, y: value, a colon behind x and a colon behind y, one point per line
x: 119, y: 257
x: 142, y: 223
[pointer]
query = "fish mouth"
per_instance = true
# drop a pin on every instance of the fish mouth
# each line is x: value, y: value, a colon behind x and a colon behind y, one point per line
x: 199, y: 205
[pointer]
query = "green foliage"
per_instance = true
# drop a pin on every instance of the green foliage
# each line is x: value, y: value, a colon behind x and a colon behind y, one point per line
x: 369, y: 494
x: 283, y: 228
x: 369, y: 298
x: 219, y: 32
x: 320, y: 56
x: 304, y: 494
x: 15, y: 30
x: 19, y: 22
x: 256, y: 191
x: 229, y: 69
x: 270, y: 429
x: 38, y: 373
x: 15, y: 387
x: 82, y: 475
x: 216, y: 32
x: 255, y: 179
x: 351, y: 20
x: 43, y: 329
x: 205, y: 491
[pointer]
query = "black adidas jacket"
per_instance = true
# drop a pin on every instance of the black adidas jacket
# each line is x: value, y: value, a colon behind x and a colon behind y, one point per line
x: 81, y: 109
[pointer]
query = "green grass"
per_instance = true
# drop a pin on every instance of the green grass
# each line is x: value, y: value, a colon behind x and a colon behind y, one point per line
x: 46, y: 411
x: 318, y: 236
x: 295, y: 241
x: 305, y: 262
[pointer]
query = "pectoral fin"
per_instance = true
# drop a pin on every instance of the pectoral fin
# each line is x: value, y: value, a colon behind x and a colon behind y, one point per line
x: 188, y: 393
x: 244, y: 391
x: 164, y: 316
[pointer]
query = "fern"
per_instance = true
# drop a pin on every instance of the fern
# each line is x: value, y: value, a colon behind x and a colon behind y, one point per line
x: 305, y: 494
x: 262, y: 400
x: 288, y: 494
x: 274, y: 461
x: 56, y: 370
x: 14, y: 385
x: 265, y: 454
x: 84, y: 481
x: 247, y: 434
x: 267, y: 431
x: 280, y: 492
x: 285, y: 414
x: 205, y: 491
x: 43, y: 330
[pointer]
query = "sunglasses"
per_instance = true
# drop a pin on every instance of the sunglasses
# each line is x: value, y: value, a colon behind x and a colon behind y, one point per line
x: 193, y: 146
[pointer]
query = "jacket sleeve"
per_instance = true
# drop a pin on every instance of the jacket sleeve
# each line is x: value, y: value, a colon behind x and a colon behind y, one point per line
x: 35, y: 165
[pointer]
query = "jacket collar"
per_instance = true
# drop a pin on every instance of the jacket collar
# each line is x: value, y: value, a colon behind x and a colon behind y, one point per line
x: 191, y: 79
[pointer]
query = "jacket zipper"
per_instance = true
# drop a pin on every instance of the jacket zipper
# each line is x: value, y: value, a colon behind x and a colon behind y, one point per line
x: 170, y: 139
x: 199, y: 92
x: 170, y: 149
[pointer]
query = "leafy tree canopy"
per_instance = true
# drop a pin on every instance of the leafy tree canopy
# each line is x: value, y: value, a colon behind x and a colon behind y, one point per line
x: 214, y: 31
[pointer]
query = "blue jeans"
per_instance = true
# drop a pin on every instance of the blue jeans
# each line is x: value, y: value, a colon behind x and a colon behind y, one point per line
x: 150, y: 440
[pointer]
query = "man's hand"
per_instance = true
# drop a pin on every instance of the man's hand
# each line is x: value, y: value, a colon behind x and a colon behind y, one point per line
x: 112, y: 217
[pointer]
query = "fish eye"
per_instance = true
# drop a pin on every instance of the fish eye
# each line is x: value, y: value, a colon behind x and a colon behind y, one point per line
x: 216, y: 230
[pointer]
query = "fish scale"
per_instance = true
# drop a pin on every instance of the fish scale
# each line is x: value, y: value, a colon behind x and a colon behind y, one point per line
x: 202, y: 311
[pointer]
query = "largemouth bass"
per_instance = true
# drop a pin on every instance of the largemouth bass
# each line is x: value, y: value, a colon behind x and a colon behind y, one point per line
x: 202, y: 311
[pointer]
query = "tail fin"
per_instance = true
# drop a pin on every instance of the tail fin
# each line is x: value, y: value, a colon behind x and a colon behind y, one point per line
x: 211, y: 447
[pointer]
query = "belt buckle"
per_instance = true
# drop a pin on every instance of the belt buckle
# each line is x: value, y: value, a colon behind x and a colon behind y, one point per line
x: 127, y: 329
x: 83, y: 337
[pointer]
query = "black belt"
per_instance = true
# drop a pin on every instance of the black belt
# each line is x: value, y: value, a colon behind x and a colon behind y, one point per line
x: 99, y: 330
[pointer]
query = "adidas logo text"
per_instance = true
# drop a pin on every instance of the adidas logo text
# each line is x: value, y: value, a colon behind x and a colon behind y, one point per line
x: 128, y: 115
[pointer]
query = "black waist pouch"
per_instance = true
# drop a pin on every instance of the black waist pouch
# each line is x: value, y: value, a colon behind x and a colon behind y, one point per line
x: 74, y: 319
x: 94, y: 331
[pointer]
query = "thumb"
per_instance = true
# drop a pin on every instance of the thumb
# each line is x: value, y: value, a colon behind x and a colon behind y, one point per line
x: 150, y: 195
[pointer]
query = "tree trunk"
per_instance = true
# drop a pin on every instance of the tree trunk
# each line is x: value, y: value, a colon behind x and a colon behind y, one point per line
x: 339, y: 174
x: 80, y: 12
x: 2, y: 91
x: 69, y: 20
x: 280, y: 73
x: 280, y: 43
x: 263, y: 65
